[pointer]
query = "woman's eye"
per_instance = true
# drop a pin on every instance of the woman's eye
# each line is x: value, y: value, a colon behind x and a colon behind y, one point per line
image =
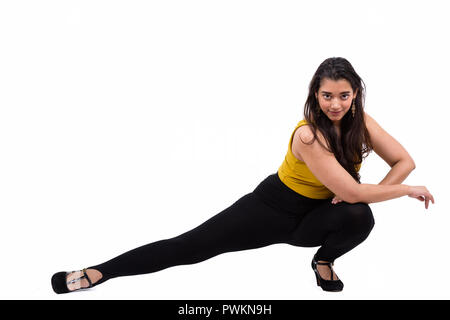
x: 327, y: 96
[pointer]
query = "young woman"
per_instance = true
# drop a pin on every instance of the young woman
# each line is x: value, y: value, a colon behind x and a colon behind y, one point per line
x: 314, y: 199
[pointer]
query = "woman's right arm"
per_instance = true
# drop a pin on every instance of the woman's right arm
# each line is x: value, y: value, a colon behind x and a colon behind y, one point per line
x: 328, y: 171
x: 369, y: 193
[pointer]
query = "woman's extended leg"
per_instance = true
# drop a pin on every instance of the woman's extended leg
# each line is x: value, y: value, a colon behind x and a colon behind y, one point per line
x: 247, y: 224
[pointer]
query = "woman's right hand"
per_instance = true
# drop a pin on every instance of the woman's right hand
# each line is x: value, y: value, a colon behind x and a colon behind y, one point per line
x: 421, y: 193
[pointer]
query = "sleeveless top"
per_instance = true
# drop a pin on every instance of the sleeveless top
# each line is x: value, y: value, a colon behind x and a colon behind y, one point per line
x: 297, y: 176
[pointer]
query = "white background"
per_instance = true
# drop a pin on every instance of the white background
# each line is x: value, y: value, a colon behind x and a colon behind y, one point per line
x: 126, y: 122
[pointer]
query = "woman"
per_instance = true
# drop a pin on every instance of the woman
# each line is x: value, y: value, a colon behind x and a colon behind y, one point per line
x: 314, y: 199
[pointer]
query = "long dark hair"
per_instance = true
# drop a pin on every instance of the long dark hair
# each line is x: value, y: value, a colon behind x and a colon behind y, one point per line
x: 354, y: 144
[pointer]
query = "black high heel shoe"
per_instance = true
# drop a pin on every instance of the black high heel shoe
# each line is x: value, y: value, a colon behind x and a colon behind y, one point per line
x: 326, y: 285
x: 59, y: 281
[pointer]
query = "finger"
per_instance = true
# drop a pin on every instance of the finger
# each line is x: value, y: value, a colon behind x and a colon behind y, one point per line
x: 430, y: 198
x: 426, y: 203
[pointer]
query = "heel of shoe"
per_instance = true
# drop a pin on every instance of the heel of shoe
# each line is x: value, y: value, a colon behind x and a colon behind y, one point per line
x: 317, y: 279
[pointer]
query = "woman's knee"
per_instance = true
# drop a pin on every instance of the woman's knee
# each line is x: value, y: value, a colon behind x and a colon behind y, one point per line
x: 360, y: 217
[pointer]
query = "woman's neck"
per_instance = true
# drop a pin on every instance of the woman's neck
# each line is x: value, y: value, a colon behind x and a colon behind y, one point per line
x: 337, y: 128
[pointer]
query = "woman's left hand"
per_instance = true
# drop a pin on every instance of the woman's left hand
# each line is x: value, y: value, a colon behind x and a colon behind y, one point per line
x: 336, y: 199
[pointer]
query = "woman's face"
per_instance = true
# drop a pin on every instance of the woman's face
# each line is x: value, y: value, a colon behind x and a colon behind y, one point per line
x: 335, y: 98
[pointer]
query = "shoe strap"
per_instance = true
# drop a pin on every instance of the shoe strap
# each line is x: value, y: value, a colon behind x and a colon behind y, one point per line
x: 84, y: 276
x: 326, y: 263
x: 87, y: 278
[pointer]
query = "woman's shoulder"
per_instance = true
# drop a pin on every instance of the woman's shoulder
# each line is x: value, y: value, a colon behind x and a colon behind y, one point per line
x: 368, y: 121
x: 304, y: 135
x: 304, y: 132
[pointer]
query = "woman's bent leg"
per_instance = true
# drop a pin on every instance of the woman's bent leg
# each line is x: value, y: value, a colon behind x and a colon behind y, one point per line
x: 247, y: 224
x: 337, y: 228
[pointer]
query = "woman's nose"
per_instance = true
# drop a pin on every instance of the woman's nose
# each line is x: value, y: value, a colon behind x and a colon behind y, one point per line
x: 335, y: 103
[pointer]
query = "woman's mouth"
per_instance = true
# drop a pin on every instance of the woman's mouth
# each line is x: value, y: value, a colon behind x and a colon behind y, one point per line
x: 335, y: 113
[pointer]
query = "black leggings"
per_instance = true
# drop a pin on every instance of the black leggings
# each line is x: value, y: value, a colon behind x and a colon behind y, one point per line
x: 272, y: 213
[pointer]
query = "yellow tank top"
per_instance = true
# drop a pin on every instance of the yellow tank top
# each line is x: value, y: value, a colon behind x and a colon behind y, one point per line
x: 297, y: 176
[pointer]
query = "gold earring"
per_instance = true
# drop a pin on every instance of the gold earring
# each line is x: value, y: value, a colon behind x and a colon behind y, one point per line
x: 353, y: 108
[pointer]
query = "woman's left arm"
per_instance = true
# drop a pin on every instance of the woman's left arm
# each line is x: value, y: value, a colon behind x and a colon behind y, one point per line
x: 398, y: 173
x: 391, y: 151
